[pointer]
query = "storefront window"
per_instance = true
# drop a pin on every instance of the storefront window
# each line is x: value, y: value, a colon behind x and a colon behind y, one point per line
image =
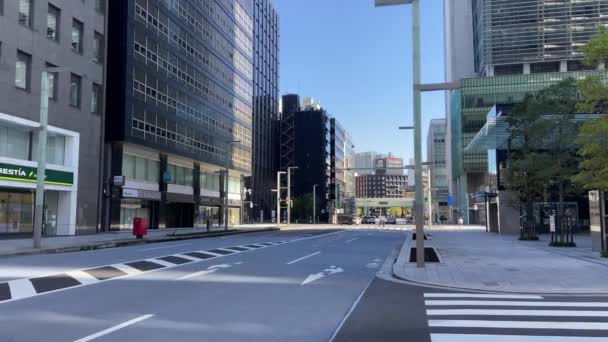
x: 16, y: 212
x: 130, y: 209
x: 139, y: 168
x: 14, y: 142
x: 180, y: 175
x: 210, y: 181
x: 234, y: 185
x: 234, y: 216
x: 55, y: 149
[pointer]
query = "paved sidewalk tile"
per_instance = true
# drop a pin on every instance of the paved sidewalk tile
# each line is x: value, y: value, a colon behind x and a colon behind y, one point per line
x: 474, y: 259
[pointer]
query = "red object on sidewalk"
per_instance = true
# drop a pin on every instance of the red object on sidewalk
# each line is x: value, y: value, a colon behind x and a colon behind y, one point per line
x: 140, y: 227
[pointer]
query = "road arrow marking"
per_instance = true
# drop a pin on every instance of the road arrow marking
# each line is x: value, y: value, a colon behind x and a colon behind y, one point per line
x: 313, y: 277
x: 328, y: 271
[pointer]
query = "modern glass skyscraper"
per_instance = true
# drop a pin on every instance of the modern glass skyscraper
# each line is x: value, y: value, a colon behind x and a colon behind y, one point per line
x: 180, y: 110
x: 265, y: 108
x: 532, y: 36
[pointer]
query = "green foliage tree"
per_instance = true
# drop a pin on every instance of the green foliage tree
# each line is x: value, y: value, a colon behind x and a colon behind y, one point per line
x: 593, y: 141
x: 543, y: 150
x: 302, y: 208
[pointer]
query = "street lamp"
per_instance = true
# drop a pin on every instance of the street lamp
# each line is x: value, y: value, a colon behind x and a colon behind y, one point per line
x: 229, y: 144
x: 314, y: 203
x: 278, y: 190
x: 42, y: 142
x: 289, y: 193
x: 418, y: 203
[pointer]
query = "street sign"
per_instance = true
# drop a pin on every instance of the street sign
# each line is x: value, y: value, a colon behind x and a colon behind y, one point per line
x: 450, y: 201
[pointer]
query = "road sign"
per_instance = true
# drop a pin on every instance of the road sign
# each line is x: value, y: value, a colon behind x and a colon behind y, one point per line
x: 450, y: 201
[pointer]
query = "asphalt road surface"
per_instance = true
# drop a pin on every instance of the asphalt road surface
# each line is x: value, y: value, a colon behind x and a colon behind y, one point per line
x: 295, y: 285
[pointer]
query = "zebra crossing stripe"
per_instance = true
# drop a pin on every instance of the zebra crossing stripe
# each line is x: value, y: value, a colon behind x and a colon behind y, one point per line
x: 21, y: 288
x: 479, y: 295
x: 512, y: 338
x: 82, y: 277
x: 515, y: 303
x: 534, y: 313
x: 518, y: 324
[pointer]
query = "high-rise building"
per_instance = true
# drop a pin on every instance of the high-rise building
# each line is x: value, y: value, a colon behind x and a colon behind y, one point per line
x: 342, y: 177
x: 310, y: 146
x: 436, y: 156
x: 533, y: 36
x: 382, y: 186
x: 180, y: 80
x: 365, y: 162
x: 68, y: 39
x: 265, y: 110
x: 349, y: 198
x: 389, y: 165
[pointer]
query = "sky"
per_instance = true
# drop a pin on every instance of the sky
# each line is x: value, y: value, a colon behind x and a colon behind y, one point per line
x: 356, y: 60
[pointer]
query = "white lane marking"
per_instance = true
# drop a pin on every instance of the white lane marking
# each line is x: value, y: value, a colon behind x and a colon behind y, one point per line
x: 196, y: 274
x: 214, y: 267
x: 302, y: 258
x: 229, y: 250
x: 517, y: 324
x: 316, y: 276
x: 511, y: 338
x: 352, y: 308
x: 238, y: 263
x: 83, y: 277
x: 115, y: 328
x: 160, y: 262
x: 479, y: 295
x: 351, y: 240
x: 247, y: 248
x: 210, y: 253
x: 515, y: 303
x: 127, y: 269
x: 21, y: 288
x: 163, y: 247
x: 188, y: 257
x: 539, y: 313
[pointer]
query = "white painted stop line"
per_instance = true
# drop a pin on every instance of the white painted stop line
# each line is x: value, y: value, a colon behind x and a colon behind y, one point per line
x: 114, y: 328
x: 511, y: 338
x: 518, y: 325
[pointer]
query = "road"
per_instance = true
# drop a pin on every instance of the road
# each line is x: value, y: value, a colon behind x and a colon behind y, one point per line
x: 291, y: 285
x: 294, y: 285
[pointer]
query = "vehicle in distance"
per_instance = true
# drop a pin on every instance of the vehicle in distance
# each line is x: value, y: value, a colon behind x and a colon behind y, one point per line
x: 345, y: 219
x: 368, y: 220
x: 391, y: 220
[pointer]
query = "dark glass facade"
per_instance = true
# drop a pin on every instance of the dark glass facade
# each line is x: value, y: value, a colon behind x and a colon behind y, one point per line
x: 180, y: 88
x: 337, y: 163
x: 265, y: 109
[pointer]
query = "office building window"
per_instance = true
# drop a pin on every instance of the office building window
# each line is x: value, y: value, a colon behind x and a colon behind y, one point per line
x: 25, y: 13
x: 52, y: 23
x: 77, y: 30
x: 22, y: 70
x: 98, y: 47
x: 95, y: 98
x: 180, y: 175
x: 139, y: 168
x: 75, y: 90
x: 53, y: 78
x: 100, y: 6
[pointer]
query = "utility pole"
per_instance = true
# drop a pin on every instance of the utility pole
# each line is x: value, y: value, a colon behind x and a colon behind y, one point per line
x: 314, y: 203
x: 279, y: 196
x: 41, y: 172
x: 430, y: 173
x: 289, y: 193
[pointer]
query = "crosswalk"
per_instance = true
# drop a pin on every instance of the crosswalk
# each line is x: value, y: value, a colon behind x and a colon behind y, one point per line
x: 477, y: 317
x: 376, y: 227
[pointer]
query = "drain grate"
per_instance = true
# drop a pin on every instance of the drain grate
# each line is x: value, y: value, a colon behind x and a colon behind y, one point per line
x: 430, y: 255
x: 414, y: 236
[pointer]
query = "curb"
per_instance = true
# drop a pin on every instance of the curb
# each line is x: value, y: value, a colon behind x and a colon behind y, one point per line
x: 132, y: 242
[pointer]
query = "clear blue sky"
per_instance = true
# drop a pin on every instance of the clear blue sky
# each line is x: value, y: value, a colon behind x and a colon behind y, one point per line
x: 356, y: 60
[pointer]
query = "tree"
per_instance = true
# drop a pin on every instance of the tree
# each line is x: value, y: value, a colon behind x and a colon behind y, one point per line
x: 596, y: 49
x: 543, y: 150
x: 594, y: 93
x: 302, y: 208
x: 593, y: 141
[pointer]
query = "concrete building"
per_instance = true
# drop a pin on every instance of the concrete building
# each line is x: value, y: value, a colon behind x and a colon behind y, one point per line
x: 436, y: 155
x: 382, y: 186
x: 181, y: 111
x: 34, y: 36
x: 389, y: 165
x: 265, y: 158
x: 365, y: 162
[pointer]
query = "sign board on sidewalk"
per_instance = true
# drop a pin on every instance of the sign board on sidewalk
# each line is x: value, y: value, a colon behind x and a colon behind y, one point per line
x: 552, y: 223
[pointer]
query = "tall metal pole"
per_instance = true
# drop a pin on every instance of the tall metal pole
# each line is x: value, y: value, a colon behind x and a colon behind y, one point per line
x: 430, y: 198
x: 41, y: 173
x: 419, y: 202
x: 288, y: 202
x: 279, y: 197
x: 226, y: 168
x: 314, y: 203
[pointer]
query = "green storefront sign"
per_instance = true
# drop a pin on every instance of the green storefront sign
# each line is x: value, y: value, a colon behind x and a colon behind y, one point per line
x: 28, y: 174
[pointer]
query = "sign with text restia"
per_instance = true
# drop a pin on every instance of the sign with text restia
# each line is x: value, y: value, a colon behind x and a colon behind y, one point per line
x: 28, y: 174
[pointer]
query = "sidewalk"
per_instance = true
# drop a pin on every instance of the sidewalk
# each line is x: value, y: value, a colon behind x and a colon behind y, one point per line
x: 62, y: 244
x: 474, y: 259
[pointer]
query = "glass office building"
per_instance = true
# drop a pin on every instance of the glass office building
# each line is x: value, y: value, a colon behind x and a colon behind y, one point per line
x: 180, y: 110
x: 528, y: 36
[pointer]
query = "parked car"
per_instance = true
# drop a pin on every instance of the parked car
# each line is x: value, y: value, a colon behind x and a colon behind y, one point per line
x: 391, y: 220
x: 368, y: 220
x: 401, y: 221
x: 345, y: 219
